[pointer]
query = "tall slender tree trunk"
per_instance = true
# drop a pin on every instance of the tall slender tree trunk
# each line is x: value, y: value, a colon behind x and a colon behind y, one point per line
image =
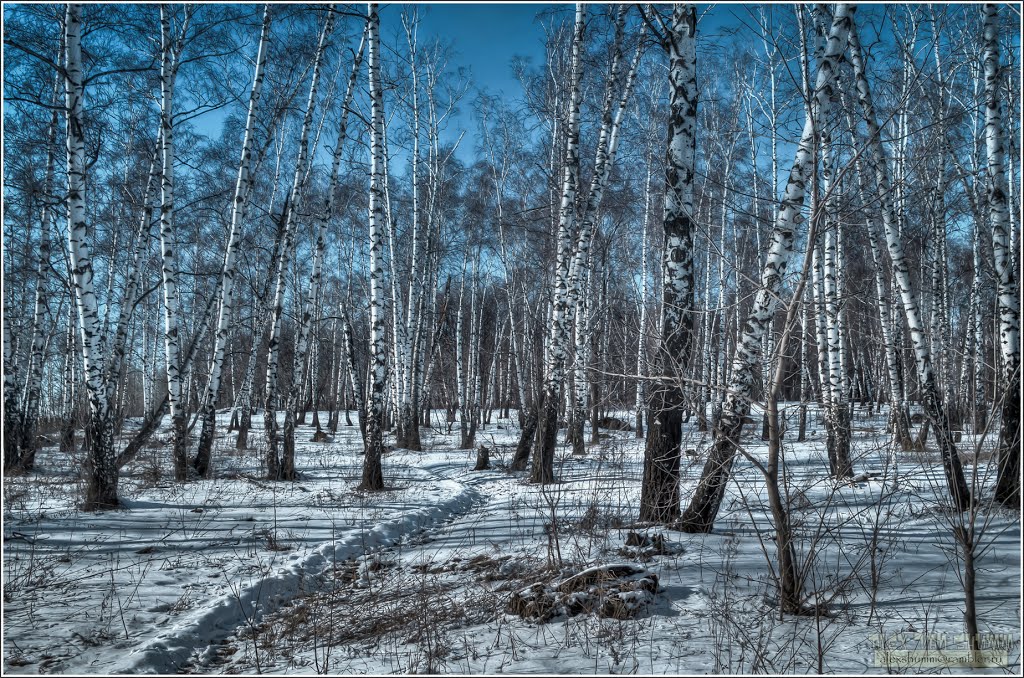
x: 70, y: 382
x: 543, y: 470
x: 12, y: 404
x: 707, y: 368
x: 581, y: 336
x: 169, y: 248
x: 407, y: 331
x: 978, y: 333
x: 641, y: 342
x: 837, y: 413
x: 805, y: 375
x: 659, y: 497
x: 208, y: 414
x: 100, y: 462
x: 1008, y: 478
x: 703, y: 509
x: 932, y: 397
x: 373, y: 475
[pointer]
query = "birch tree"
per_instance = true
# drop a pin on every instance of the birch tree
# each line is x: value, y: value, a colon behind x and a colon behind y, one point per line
x: 931, y: 396
x: 373, y: 475
x: 100, y: 463
x: 405, y: 333
x: 701, y: 513
x: 12, y: 407
x: 208, y: 414
x: 659, y: 499
x: 611, y: 118
x: 170, y: 54
x: 833, y: 381
x: 640, y: 399
x: 558, y: 338
x: 1008, y: 480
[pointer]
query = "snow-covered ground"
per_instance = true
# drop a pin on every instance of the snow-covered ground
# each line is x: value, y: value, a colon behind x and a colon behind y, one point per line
x: 240, y: 575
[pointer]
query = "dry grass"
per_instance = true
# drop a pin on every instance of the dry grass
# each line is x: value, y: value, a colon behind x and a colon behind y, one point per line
x: 378, y: 607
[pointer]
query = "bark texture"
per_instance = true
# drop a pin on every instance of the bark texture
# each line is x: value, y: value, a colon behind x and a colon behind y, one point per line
x: 659, y: 499
x: 703, y: 509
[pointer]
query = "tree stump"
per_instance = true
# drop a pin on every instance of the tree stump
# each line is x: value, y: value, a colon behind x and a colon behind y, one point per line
x: 483, y: 459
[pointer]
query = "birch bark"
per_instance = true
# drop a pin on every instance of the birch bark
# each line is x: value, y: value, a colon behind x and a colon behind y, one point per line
x: 554, y: 373
x: 373, y: 475
x: 641, y: 345
x: 1008, y: 479
x: 703, y: 509
x: 169, y: 245
x: 659, y: 498
x: 933, y: 406
x: 201, y: 462
x: 100, y: 466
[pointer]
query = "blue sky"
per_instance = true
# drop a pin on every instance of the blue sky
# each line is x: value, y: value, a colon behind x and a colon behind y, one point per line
x: 488, y: 35
x: 486, y: 38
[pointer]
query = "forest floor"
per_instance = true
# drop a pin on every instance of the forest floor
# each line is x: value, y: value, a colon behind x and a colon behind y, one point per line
x: 240, y: 575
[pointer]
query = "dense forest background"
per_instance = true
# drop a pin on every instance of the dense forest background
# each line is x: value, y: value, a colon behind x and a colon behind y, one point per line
x: 400, y: 241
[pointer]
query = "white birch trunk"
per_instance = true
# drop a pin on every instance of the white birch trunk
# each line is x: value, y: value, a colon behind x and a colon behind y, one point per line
x: 659, y: 498
x: 641, y: 357
x: 101, y: 469
x: 12, y: 403
x: 201, y: 462
x: 1008, y: 481
x: 837, y: 406
x: 169, y: 247
x: 700, y: 515
x: 373, y: 476
x: 554, y: 372
x: 959, y: 491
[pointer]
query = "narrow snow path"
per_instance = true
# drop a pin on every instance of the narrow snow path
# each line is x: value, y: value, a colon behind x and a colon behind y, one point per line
x: 181, y: 566
x: 249, y: 602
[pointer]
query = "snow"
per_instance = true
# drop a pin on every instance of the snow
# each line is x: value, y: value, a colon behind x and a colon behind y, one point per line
x: 238, y: 574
